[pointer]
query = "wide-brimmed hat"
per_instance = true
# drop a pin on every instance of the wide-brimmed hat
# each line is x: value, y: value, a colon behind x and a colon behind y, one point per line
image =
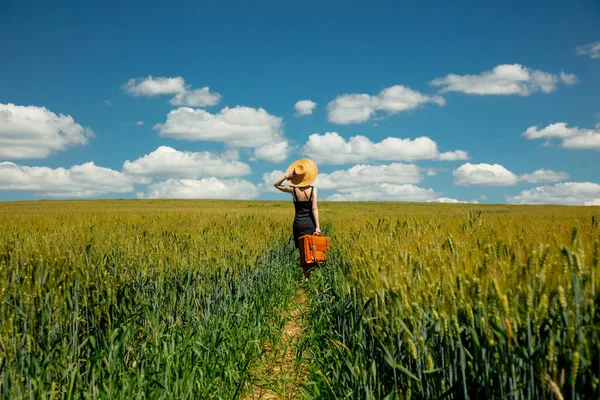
x: 306, y: 172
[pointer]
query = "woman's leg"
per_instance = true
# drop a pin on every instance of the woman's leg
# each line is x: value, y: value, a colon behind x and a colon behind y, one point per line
x: 307, y: 271
x: 302, y: 265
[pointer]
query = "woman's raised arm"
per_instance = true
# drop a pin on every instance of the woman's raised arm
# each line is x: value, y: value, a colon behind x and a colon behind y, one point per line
x: 286, y: 189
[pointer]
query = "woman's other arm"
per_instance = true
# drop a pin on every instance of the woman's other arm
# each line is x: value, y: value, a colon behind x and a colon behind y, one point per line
x: 315, y: 210
x: 286, y: 189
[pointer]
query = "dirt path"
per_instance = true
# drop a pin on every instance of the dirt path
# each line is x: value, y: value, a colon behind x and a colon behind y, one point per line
x: 279, y: 373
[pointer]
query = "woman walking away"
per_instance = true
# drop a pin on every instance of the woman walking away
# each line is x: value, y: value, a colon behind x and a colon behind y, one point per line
x: 300, y: 174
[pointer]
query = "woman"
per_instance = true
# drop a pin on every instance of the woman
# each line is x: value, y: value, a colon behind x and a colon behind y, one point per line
x: 300, y: 174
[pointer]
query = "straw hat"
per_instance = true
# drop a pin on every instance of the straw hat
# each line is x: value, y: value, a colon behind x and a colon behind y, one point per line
x: 306, y: 172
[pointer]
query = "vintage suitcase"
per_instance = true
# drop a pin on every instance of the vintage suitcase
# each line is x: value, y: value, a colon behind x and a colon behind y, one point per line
x: 313, y: 248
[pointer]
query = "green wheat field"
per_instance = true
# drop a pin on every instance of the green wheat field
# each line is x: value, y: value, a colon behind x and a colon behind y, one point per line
x: 175, y: 299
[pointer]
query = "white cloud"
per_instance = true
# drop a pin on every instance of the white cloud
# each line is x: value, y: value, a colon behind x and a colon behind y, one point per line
x: 568, y: 79
x: 496, y: 175
x: 572, y: 138
x: 364, y: 179
x: 591, y: 49
x: 454, y: 155
x: 350, y: 109
x: 455, y: 201
x: 238, y: 126
x: 595, y: 202
x: 434, y: 171
x: 107, y: 103
x: 393, y: 182
x: 184, y: 95
x: 331, y: 148
x: 205, y: 188
x: 506, y: 79
x: 357, y: 108
x: 483, y: 175
x: 139, y: 123
x: 86, y: 180
x: 36, y: 132
x: 589, y: 140
x: 154, y: 86
x: 196, y: 98
x: 569, y: 193
x: 305, y: 107
x: 269, y: 179
x: 544, y: 175
x: 366, y: 175
x: 273, y: 152
x: 385, y: 192
x: 166, y: 162
x: 558, y: 130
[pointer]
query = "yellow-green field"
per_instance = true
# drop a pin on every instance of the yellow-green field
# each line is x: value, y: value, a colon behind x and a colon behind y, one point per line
x: 183, y: 299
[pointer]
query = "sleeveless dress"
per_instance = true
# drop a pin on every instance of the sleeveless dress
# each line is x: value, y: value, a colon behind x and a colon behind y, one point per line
x: 304, y: 220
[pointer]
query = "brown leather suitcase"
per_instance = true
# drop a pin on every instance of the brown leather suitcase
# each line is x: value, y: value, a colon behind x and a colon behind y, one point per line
x: 313, y: 248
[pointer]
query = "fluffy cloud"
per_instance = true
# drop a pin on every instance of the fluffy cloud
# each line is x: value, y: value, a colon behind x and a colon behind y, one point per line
x: 571, y: 138
x: 590, y: 140
x: 570, y: 193
x: 205, y: 188
x: 506, y: 79
x: 568, y: 79
x: 356, y: 108
x: 454, y: 201
x: 454, y: 155
x: 139, y: 123
x: 196, y: 98
x: 305, y: 107
x: 273, y: 152
x: 36, y: 132
x: 393, y: 182
x: 166, y: 162
x: 434, y: 171
x: 496, y: 175
x: 483, y: 175
x: 238, y: 127
x: 386, y: 192
x: 361, y: 175
x: 544, y: 175
x: 150, y: 86
x: 86, y: 180
x: 331, y: 148
x: 184, y: 95
x: 552, y: 131
x: 591, y: 49
x: 269, y: 178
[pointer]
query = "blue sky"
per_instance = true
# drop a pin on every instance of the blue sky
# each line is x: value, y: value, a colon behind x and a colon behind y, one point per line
x: 413, y: 101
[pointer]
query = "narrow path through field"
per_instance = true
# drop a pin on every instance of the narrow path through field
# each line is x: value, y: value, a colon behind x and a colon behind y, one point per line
x: 280, y: 372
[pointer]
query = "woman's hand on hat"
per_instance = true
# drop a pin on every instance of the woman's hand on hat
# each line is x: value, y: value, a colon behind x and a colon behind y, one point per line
x: 290, y: 174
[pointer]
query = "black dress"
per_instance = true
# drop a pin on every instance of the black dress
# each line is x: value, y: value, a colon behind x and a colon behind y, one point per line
x: 304, y: 220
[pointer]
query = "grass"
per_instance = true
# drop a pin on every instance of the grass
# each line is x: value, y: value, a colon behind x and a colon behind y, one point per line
x: 443, y: 301
x: 120, y: 299
x: 194, y: 299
